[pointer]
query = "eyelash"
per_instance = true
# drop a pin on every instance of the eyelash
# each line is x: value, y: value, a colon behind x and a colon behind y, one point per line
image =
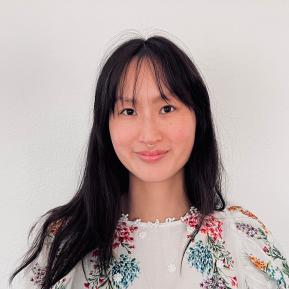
x: 132, y: 109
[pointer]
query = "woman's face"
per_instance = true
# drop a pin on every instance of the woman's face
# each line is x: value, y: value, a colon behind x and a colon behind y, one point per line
x: 168, y: 126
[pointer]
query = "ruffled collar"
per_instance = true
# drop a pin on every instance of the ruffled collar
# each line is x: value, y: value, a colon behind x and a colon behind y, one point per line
x: 156, y: 223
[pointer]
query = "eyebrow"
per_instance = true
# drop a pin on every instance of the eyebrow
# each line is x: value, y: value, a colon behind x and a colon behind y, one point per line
x: 155, y: 99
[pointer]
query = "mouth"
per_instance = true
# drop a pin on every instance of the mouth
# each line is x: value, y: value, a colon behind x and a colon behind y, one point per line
x: 152, y: 153
x: 151, y: 156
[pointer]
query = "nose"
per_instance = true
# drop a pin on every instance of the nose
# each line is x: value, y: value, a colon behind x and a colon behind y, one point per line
x: 150, y: 132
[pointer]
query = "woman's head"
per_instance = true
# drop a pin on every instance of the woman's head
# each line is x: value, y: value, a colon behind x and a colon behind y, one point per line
x: 138, y: 71
x: 187, y: 132
x: 158, y: 118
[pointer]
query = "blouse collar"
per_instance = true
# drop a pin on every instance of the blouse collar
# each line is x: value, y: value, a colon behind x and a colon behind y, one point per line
x: 169, y: 220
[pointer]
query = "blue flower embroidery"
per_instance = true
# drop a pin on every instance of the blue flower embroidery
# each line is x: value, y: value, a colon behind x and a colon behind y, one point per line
x: 275, y: 273
x: 211, y: 257
x: 124, y: 271
x: 200, y: 257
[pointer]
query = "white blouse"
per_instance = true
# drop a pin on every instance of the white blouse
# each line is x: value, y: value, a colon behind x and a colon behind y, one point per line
x: 233, y: 249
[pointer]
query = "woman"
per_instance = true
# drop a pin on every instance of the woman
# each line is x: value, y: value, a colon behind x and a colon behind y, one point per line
x: 149, y: 212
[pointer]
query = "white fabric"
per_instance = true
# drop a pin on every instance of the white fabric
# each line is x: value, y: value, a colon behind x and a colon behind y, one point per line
x: 154, y: 259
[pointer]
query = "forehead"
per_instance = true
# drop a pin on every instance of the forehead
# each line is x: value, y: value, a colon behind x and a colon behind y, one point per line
x: 139, y: 79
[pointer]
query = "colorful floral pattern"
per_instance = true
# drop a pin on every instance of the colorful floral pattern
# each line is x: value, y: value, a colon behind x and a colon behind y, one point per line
x: 38, y: 274
x: 209, y: 255
x: 122, y: 270
x: 248, y: 214
x: 55, y: 227
x: 277, y: 267
x: 39, y: 267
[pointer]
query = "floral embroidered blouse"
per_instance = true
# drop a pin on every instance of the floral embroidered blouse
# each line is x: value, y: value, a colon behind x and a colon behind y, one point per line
x: 233, y: 249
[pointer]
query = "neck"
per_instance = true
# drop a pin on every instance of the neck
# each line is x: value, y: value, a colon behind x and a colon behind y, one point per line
x: 151, y: 201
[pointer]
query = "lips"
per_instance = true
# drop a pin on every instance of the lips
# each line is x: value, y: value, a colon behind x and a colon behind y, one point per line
x: 152, y: 153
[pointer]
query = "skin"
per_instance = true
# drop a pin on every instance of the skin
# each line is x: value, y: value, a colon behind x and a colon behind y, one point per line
x: 157, y: 189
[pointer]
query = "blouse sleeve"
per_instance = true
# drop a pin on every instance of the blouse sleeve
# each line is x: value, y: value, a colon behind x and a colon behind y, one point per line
x: 262, y: 258
x: 34, y: 273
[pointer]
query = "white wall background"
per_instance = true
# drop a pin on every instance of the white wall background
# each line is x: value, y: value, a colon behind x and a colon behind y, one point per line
x: 50, y: 52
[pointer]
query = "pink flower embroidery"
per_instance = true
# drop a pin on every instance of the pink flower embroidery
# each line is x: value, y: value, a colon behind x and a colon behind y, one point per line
x: 211, y: 225
x: 123, y: 236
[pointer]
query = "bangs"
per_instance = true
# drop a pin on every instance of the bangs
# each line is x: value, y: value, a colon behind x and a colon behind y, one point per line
x: 172, y: 70
x: 156, y: 69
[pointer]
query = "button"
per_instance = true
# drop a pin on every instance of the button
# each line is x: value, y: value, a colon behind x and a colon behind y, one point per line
x: 142, y: 234
x: 171, y: 267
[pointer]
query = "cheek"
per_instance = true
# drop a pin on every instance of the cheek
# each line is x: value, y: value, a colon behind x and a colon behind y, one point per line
x: 182, y: 135
x: 183, y: 130
x: 183, y: 139
x: 183, y: 145
x: 120, y: 137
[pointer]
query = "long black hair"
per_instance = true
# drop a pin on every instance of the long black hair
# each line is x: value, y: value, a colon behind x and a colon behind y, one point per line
x: 89, y: 219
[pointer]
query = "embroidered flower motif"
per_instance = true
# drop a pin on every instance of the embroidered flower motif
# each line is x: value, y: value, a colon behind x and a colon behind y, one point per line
x: 251, y: 231
x: 172, y: 267
x: 214, y: 282
x: 123, y: 270
x: 262, y: 233
x: 273, y: 271
x: 39, y: 271
x: 200, y: 257
x: 258, y: 263
x: 210, y: 257
x: 95, y: 278
x: 212, y: 227
x: 55, y: 227
x: 124, y: 236
x: 38, y: 274
x: 249, y: 214
x: 222, y: 256
x: 191, y: 221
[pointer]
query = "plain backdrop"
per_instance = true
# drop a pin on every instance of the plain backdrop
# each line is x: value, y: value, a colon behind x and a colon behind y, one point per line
x: 49, y: 58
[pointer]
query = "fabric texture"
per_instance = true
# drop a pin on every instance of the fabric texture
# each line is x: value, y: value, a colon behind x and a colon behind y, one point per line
x: 233, y: 249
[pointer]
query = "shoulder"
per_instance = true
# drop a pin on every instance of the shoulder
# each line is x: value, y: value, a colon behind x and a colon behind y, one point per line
x: 34, y: 273
x: 259, y: 248
x: 238, y: 212
x: 249, y: 227
x: 238, y: 215
x: 53, y: 229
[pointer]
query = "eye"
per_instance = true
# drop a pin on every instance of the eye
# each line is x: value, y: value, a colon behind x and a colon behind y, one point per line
x: 169, y: 106
x: 130, y: 109
x: 126, y: 109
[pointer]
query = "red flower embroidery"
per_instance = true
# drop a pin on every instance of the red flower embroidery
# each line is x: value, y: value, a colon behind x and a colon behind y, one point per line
x: 211, y: 225
x: 123, y: 235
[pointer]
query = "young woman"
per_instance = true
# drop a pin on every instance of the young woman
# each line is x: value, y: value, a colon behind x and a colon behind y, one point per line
x: 149, y: 212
